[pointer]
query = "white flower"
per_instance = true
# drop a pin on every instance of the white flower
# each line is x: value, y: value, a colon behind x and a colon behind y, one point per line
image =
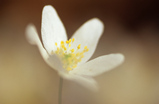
x: 69, y: 57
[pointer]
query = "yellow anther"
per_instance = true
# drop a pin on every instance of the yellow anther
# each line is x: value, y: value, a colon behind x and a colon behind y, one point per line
x: 62, y: 42
x: 56, y: 44
x: 69, y: 40
x: 79, y: 46
x: 73, y: 39
x: 86, y: 50
x: 69, y: 44
x: 72, y: 50
x: 85, y: 47
x: 65, y: 48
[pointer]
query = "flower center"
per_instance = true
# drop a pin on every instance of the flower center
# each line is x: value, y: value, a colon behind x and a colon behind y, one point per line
x: 70, y: 57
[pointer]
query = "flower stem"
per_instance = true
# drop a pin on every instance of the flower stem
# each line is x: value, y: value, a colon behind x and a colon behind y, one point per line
x: 60, y: 91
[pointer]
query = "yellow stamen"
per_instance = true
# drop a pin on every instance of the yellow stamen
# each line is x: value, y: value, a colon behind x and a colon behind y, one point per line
x: 72, y: 50
x: 85, y: 47
x: 73, y: 39
x: 79, y: 46
x: 62, y: 42
x: 69, y: 40
x: 56, y: 44
x: 69, y: 57
x: 69, y: 44
x: 65, y: 48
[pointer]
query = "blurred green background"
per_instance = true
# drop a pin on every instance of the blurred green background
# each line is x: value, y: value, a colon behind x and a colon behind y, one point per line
x: 131, y: 28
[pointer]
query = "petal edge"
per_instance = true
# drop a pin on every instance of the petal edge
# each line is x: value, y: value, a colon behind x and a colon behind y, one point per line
x: 52, y: 28
x: 99, y: 65
x: 88, y: 35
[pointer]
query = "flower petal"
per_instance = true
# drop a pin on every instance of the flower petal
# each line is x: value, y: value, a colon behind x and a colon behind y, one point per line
x: 85, y: 81
x: 33, y: 38
x: 99, y: 65
x: 52, y: 29
x: 88, y: 35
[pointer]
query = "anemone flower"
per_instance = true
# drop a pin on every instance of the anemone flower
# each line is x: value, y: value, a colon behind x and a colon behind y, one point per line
x: 69, y: 57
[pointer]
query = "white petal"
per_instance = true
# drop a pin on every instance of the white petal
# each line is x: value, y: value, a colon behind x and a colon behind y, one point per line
x: 33, y: 38
x: 52, y: 29
x: 88, y: 35
x: 55, y: 63
x: 99, y: 65
x: 85, y: 81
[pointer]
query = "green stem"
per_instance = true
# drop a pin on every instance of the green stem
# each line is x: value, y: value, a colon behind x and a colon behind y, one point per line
x: 60, y: 91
